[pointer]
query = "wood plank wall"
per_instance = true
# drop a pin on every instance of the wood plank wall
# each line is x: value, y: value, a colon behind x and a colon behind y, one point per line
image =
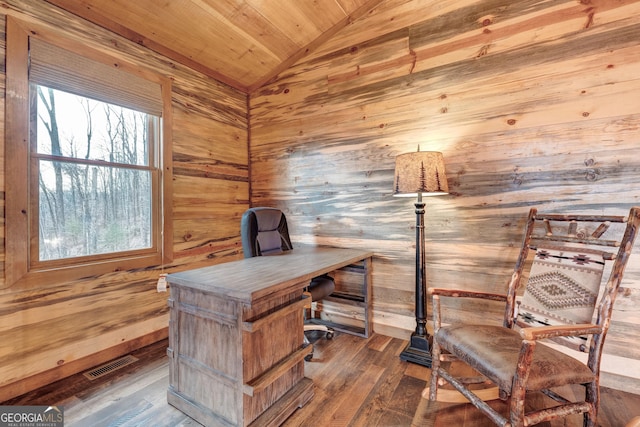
x: 51, y: 331
x: 534, y: 103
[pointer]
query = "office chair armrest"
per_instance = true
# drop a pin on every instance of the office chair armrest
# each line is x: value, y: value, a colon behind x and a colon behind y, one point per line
x: 543, y: 332
x: 457, y: 293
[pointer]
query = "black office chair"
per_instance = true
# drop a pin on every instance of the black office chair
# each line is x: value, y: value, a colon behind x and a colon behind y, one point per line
x: 264, y: 231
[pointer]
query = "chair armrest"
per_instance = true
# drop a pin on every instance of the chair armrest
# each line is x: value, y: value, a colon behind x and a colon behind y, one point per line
x: 436, y: 293
x: 543, y: 332
x: 457, y: 293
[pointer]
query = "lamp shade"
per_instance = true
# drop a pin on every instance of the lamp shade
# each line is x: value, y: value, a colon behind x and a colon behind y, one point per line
x: 421, y: 172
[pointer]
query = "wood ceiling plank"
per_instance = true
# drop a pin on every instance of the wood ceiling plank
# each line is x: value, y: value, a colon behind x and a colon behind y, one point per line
x: 200, y: 33
x: 324, y: 14
x: 355, y: 14
x: 249, y: 20
x: 183, y: 26
x: 236, y: 26
x: 240, y: 43
x: 85, y: 11
x: 350, y: 5
x: 298, y: 23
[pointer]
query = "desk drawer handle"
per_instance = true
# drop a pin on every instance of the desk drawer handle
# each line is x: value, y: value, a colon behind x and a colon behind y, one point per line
x: 255, y: 325
x: 276, y: 371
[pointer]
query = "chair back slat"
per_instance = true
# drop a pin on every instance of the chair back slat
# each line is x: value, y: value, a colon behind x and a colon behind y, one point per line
x: 598, y: 232
x: 579, y: 240
x: 581, y: 218
x: 577, y: 229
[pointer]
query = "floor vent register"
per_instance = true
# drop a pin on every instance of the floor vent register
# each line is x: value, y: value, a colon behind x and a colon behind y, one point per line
x: 110, y: 367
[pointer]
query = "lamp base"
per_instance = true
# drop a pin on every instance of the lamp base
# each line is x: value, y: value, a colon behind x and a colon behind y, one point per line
x: 418, y: 350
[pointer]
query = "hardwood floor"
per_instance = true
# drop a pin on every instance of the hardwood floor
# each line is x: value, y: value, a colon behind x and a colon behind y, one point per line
x: 358, y: 382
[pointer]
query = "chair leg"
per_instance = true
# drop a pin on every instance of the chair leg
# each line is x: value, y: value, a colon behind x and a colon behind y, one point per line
x: 516, y: 411
x: 435, y: 349
x: 516, y: 403
x: 435, y: 365
x: 592, y: 397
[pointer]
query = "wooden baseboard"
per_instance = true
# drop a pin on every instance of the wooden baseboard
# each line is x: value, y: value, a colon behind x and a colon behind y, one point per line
x: 620, y: 382
x: 33, y: 382
x: 392, y: 331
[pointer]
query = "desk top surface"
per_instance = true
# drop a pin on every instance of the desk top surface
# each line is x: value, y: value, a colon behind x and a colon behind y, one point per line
x: 252, y: 278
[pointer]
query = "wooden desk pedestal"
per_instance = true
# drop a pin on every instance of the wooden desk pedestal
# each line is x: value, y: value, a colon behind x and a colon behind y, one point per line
x: 236, y: 354
x: 229, y: 362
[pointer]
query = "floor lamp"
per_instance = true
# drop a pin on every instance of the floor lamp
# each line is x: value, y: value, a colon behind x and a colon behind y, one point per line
x: 420, y: 174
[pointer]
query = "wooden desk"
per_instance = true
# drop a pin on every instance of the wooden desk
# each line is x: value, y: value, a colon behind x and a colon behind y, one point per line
x: 236, y: 354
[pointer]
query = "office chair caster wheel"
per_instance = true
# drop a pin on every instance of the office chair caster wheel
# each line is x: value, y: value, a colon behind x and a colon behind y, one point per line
x: 308, y: 357
x: 330, y: 334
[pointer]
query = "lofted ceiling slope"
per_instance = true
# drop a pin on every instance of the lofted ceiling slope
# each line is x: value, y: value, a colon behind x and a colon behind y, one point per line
x: 243, y: 43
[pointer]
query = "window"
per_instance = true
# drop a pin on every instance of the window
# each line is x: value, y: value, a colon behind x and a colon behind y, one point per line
x: 92, y: 181
x: 88, y: 186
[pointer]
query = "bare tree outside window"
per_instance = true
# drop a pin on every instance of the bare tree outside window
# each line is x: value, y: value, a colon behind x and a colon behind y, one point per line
x: 94, y: 174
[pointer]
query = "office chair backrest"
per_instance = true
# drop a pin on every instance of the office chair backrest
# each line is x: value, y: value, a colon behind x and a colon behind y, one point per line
x: 264, y: 232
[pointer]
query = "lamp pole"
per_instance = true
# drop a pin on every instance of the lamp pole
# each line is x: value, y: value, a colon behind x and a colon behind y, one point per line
x: 419, y: 349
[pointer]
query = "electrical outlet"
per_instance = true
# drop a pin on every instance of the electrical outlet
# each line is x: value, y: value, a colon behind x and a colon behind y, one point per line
x: 162, y: 283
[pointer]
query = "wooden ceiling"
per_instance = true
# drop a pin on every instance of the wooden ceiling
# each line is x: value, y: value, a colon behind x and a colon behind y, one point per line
x: 244, y: 43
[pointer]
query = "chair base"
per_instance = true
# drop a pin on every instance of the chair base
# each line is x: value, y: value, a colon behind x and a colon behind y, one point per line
x: 322, y: 328
x: 316, y: 327
x: 418, y: 350
x: 329, y: 333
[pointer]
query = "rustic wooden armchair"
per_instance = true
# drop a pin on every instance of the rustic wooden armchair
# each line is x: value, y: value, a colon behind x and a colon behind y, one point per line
x: 566, y: 302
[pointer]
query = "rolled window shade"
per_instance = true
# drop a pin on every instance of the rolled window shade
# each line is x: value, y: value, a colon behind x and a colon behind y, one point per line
x: 61, y: 69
